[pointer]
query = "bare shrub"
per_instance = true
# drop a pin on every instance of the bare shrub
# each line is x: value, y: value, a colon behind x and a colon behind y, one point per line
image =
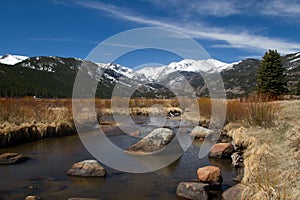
x: 254, y: 111
x: 261, y: 112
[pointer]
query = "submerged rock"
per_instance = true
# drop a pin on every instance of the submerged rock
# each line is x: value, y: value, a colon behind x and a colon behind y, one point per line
x: 234, y: 193
x: 12, y: 158
x: 210, y: 175
x: 135, y: 133
x: 154, y: 141
x: 192, y: 190
x: 221, y: 150
x: 87, y: 168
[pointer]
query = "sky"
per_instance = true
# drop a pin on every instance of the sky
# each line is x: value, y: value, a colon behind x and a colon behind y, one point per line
x: 229, y: 30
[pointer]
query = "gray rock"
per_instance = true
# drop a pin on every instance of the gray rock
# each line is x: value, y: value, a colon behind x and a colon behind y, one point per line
x: 12, y: 158
x: 154, y: 141
x: 234, y: 193
x: 200, y: 132
x: 192, y: 190
x: 87, y: 168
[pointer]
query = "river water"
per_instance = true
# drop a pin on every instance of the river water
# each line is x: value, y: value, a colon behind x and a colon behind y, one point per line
x: 45, y: 173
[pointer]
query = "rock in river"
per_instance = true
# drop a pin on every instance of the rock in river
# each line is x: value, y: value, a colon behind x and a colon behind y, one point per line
x: 234, y: 193
x: 87, y: 168
x: 210, y: 175
x: 12, y: 158
x: 192, y: 190
x: 221, y: 150
x: 200, y: 132
x: 154, y: 141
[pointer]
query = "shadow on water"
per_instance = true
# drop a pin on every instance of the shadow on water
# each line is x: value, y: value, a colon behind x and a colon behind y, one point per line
x: 45, y: 174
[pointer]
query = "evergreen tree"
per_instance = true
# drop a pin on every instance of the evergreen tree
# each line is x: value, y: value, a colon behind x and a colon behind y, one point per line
x: 271, y: 77
x: 298, y: 88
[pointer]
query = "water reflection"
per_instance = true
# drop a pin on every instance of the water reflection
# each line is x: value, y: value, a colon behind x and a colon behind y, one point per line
x: 51, y: 158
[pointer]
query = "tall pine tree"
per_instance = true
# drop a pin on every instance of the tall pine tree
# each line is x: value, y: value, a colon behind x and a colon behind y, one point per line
x: 271, y: 77
x: 298, y: 88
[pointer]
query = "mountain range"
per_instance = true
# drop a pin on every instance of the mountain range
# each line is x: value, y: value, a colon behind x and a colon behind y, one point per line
x: 53, y: 77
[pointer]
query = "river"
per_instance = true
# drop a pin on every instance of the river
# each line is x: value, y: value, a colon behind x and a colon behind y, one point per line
x: 45, y: 173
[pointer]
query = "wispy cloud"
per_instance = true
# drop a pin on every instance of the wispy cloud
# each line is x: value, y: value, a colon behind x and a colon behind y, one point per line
x: 288, y: 8
x: 225, y: 8
x: 241, y: 39
x: 52, y: 39
x: 220, y: 8
x: 122, y: 45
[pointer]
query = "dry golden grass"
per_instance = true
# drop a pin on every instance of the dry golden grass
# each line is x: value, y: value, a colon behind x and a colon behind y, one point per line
x: 254, y: 111
x: 19, y: 111
x: 272, y: 157
x: 30, y: 110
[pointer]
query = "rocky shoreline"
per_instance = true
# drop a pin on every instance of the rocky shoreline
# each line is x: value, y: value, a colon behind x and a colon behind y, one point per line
x: 24, y: 133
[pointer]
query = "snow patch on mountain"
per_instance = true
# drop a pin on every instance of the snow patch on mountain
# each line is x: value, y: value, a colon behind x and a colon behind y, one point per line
x: 123, y: 71
x: 151, y: 73
x: 294, y: 60
x: 12, y: 59
x: 186, y: 65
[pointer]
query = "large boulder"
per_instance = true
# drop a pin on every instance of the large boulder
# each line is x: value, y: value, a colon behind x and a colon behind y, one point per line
x: 12, y: 158
x: 210, y: 175
x: 221, y: 150
x: 192, y: 190
x: 200, y: 132
x: 234, y: 193
x: 87, y: 168
x: 154, y: 141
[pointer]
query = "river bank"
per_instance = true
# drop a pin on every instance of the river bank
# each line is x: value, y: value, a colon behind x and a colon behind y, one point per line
x: 271, y: 156
x: 14, y: 135
x: 28, y: 119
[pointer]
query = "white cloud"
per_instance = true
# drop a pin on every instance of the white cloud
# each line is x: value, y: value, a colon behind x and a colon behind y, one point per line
x: 287, y: 8
x: 236, y: 39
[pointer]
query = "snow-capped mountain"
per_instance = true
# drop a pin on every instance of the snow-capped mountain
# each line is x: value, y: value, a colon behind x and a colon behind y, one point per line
x: 11, y: 59
x: 120, y: 71
x: 49, y: 76
x: 186, y: 65
x: 151, y: 73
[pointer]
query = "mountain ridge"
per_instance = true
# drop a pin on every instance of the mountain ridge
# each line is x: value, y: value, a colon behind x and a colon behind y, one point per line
x: 49, y: 76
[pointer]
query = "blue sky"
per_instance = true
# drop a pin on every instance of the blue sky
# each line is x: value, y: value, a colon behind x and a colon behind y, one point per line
x: 229, y: 30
